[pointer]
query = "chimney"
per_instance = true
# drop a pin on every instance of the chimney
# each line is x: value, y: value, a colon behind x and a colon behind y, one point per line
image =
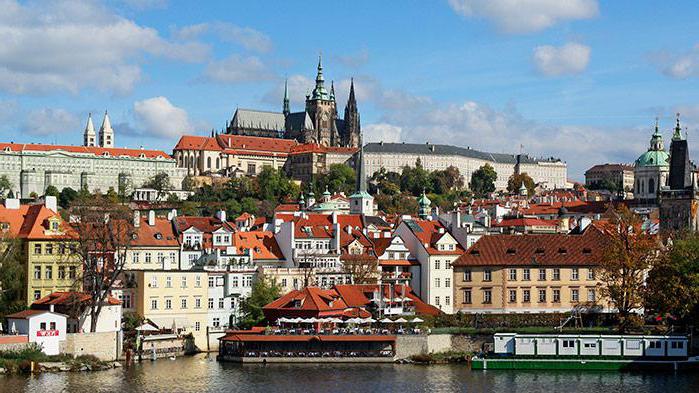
x: 349, y: 229
x: 334, y: 215
x: 440, y: 230
x: 136, y: 218
x: 151, y: 217
x: 12, y: 203
x: 51, y: 203
x: 51, y: 307
x: 221, y: 215
x: 174, y: 213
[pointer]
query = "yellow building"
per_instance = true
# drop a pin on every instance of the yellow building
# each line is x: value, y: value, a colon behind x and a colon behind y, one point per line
x: 173, y: 298
x: 530, y: 273
x: 45, y: 240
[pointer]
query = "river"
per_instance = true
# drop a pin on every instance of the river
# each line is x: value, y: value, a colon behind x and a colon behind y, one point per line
x: 202, y: 373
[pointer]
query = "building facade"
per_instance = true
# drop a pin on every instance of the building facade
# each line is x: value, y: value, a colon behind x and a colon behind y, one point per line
x: 548, y: 172
x: 651, y: 170
x: 620, y: 174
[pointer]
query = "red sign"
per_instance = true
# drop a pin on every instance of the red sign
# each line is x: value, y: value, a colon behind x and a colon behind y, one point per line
x: 47, y: 333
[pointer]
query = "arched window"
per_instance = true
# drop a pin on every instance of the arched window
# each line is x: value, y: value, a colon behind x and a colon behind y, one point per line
x: 191, y: 162
x: 208, y: 162
x: 638, y: 186
x: 651, y: 186
x: 643, y: 185
x: 218, y: 165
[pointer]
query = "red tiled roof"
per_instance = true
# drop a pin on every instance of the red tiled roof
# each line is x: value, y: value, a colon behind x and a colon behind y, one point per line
x: 25, y: 314
x: 69, y: 298
x: 397, y: 262
x: 536, y: 249
x: 525, y: 222
x: 287, y: 207
x: 316, y: 148
x: 31, y: 222
x: 194, y: 142
x: 255, y: 143
x: 95, y: 150
x: 204, y: 224
x: 262, y: 243
x: 429, y: 234
x: 147, y: 235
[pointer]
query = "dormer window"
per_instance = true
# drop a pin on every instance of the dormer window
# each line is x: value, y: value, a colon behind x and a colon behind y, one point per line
x: 562, y: 251
x: 511, y: 251
x: 54, y: 225
x: 539, y: 251
x: 159, y: 236
x: 586, y: 251
x: 142, y: 155
x: 475, y: 252
x: 105, y: 154
x: 7, y: 149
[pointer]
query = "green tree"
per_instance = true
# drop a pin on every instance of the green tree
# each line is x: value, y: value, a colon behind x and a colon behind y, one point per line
x: 339, y: 178
x: 384, y: 182
x: 673, y: 282
x: 483, y: 181
x: 67, y: 196
x: 274, y: 185
x: 264, y: 291
x: 52, y: 191
x: 188, y: 183
x: 515, y: 182
x: 12, y: 276
x: 446, y: 180
x: 112, y: 195
x: 415, y: 180
x: 5, y: 185
x: 160, y: 183
x: 173, y: 198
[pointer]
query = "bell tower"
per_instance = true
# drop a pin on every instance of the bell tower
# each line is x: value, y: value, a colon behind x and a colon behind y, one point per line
x: 320, y: 106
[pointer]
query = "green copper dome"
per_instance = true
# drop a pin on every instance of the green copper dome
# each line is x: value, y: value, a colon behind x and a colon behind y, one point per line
x: 653, y: 158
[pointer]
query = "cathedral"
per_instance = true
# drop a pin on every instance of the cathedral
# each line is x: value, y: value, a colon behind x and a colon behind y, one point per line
x: 318, y: 123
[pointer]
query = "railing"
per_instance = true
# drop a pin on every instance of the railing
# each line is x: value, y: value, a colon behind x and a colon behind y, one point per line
x: 314, y: 354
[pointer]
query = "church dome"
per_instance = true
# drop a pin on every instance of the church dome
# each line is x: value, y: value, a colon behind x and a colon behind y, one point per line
x: 653, y: 158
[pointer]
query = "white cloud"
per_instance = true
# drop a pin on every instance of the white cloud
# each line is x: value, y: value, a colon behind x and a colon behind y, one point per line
x: 682, y: 66
x: 247, y: 37
x: 354, y: 60
x: 50, y: 121
x: 525, y: 16
x: 146, y: 4
x: 158, y: 117
x: 382, y: 132
x: 68, y: 46
x: 236, y: 69
x: 571, y: 58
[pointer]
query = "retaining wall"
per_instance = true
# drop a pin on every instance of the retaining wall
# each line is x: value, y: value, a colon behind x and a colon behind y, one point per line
x: 407, y: 346
x: 105, y: 346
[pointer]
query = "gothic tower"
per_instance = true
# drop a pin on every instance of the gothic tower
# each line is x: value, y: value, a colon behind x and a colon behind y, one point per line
x: 352, y: 129
x: 106, y: 132
x: 89, y: 137
x: 321, y: 108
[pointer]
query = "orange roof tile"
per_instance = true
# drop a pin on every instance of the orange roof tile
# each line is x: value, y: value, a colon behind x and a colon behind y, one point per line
x: 262, y: 243
x: 95, y: 150
x: 162, y: 234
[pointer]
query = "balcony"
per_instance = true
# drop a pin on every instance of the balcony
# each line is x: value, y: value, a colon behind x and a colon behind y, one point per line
x: 396, y: 276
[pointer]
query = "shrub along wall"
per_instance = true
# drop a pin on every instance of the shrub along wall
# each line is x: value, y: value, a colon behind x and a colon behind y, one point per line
x: 494, y: 321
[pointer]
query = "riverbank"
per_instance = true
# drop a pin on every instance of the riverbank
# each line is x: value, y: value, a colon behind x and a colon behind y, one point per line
x: 585, y: 364
x: 32, y: 360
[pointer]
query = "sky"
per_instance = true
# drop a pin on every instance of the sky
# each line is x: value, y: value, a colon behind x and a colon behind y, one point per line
x: 581, y: 80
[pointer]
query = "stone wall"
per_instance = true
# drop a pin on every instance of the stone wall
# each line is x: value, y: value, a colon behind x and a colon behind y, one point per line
x: 105, y: 346
x: 407, y: 346
x: 13, y: 346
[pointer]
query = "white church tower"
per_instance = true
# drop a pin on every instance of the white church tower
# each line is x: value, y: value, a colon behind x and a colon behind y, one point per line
x: 361, y: 202
x: 90, y: 137
x: 106, y: 132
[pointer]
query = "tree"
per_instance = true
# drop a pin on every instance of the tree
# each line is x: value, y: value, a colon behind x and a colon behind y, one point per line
x: 339, y: 178
x: 188, y: 183
x: 160, y: 183
x: 264, y: 291
x: 273, y: 185
x: 101, y: 235
x: 112, y: 195
x: 446, y: 180
x: 67, y: 196
x: 52, y: 191
x: 5, y: 185
x: 673, y: 282
x: 362, y: 268
x: 483, y: 181
x: 415, y: 180
x: 515, y: 182
x: 627, y: 256
x: 12, y: 276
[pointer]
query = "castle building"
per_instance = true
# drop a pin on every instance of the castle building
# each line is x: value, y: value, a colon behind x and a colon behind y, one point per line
x: 318, y: 123
x: 651, y: 170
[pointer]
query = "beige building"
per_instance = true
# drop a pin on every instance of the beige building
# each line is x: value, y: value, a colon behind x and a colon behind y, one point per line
x: 548, y: 172
x: 620, y: 174
x: 530, y: 273
x: 308, y: 160
x: 172, y: 298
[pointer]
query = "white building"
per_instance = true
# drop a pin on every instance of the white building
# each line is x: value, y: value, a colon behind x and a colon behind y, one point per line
x: 46, y: 328
x: 549, y: 172
x: 651, y: 169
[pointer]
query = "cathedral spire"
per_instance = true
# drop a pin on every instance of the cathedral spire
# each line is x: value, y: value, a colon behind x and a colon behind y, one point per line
x: 677, y: 136
x: 332, y: 90
x: 106, y: 132
x: 285, y: 107
x: 89, y: 135
x: 319, y: 93
x: 352, y: 101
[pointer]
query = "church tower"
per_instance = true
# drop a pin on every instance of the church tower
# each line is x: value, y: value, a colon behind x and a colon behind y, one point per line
x: 89, y: 137
x: 352, y: 129
x: 320, y: 106
x: 106, y: 132
x: 361, y: 202
x: 285, y: 107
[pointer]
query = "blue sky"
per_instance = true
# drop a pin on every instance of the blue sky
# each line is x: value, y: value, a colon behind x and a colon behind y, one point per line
x: 580, y: 79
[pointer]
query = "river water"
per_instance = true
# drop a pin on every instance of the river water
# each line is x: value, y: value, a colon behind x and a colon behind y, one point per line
x: 202, y: 373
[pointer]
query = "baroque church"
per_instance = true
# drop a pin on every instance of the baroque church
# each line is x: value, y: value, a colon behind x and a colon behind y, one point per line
x: 318, y: 123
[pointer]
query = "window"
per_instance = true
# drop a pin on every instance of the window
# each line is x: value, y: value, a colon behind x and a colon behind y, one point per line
x: 161, y: 258
x: 217, y: 322
x: 37, y: 295
x: 72, y: 272
x: 591, y: 295
x: 154, y: 281
x: 42, y: 326
x: 574, y: 274
x: 37, y: 249
x: 677, y: 344
x: 513, y: 295
x: 590, y: 345
x: 556, y: 295
x: 154, y: 304
x: 436, y: 301
x: 183, y: 284
x: 197, y: 282
x: 467, y: 296
x: 135, y: 257
x: 49, y: 272
x: 574, y: 295
x: 221, y: 302
x: 211, y: 303
x: 168, y: 282
x: 447, y: 264
x: 52, y: 325
x: 467, y: 276
x: 568, y: 343
x: 197, y: 326
x: 556, y: 274
x: 197, y: 302
x: 283, y: 282
x: 168, y: 304
x: 148, y: 257
x: 447, y: 300
x: 487, y: 296
x: 542, y: 274
x: 251, y: 169
x: 234, y: 282
x: 37, y: 272
x: 447, y: 282
x: 436, y: 282
x: 211, y: 282
x: 436, y: 265
x: 513, y: 274
x: 525, y: 274
x: 183, y: 302
x: 248, y: 281
x: 49, y: 249
x: 61, y: 272
x: 590, y: 274
x: 526, y: 296
x: 487, y: 275
x: 542, y: 296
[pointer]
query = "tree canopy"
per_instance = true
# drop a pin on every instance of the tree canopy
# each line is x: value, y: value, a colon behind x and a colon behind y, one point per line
x: 515, y: 182
x: 339, y: 178
x: 483, y: 181
x: 5, y: 185
x: 12, y: 276
x: 264, y: 291
x: 160, y: 183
